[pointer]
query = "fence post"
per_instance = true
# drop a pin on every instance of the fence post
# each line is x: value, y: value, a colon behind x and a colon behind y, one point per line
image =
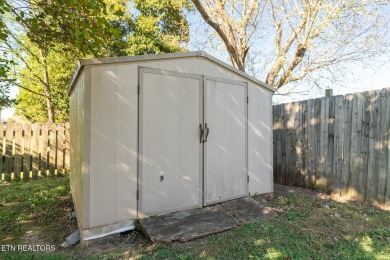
x: 328, y: 92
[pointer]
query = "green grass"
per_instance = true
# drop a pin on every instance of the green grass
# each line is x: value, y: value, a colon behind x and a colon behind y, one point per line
x: 304, y: 229
x: 35, y: 204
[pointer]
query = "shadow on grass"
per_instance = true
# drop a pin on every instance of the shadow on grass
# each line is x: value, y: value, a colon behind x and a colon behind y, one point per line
x: 34, y: 212
x: 307, y: 227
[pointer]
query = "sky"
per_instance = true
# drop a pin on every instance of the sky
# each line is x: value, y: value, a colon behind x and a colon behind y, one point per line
x: 368, y: 79
x: 360, y: 79
x: 202, y: 37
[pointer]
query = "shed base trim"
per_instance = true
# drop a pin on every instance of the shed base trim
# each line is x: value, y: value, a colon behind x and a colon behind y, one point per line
x: 115, y: 228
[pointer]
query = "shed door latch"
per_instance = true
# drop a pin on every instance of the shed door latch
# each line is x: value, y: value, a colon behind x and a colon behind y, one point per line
x: 201, y: 133
x: 207, y: 132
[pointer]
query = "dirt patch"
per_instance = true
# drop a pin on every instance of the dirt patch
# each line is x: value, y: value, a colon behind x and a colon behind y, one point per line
x: 281, y: 190
x: 53, y: 232
x: 128, y: 244
x: 34, y: 236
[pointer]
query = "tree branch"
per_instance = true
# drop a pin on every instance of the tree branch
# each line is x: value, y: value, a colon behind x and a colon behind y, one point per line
x: 26, y: 64
x: 208, y: 20
x: 29, y: 90
x: 299, y: 54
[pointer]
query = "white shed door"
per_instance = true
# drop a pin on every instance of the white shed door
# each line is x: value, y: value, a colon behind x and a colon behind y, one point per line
x: 225, y: 171
x: 170, y: 153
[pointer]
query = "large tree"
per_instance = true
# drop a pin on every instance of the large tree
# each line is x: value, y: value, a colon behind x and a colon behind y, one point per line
x: 31, y: 101
x: 79, y: 25
x: 155, y: 27
x: 151, y: 27
x: 5, y: 82
x: 305, y: 35
x: 48, y: 23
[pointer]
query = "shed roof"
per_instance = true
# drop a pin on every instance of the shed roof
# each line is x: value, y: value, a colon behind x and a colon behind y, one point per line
x: 199, y: 54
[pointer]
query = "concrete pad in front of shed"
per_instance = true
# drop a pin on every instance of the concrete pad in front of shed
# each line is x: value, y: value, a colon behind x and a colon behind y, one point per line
x: 248, y: 210
x: 188, y: 224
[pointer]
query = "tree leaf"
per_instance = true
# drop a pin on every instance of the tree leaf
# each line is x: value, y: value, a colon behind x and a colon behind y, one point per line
x: 119, y: 13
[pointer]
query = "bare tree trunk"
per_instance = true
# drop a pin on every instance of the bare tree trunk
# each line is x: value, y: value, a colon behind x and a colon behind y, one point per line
x: 237, y: 46
x: 46, y: 85
x: 238, y: 58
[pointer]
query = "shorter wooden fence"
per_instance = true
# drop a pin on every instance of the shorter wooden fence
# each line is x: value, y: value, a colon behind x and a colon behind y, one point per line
x: 340, y: 144
x: 34, y: 150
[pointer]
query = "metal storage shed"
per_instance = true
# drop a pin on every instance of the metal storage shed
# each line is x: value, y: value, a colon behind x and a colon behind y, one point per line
x: 162, y: 133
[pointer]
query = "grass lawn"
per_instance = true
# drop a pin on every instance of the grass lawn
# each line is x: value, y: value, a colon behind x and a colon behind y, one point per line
x: 308, y: 226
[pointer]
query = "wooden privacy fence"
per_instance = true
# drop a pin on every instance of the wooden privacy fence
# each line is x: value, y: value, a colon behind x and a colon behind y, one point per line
x: 33, y: 150
x: 339, y: 144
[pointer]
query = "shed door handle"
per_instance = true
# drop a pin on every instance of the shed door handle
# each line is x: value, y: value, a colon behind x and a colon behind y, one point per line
x: 207, y: 132
x: 201, y: 133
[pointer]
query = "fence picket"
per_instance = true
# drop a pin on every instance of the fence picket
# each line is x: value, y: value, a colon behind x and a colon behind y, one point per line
x: 384, y: 145
x: 35, y: 149
x: 363, y: 174
x: 373, y: 141
x: 44, y: 150
x: 345, y: 176
x: 299, y: 180
x: 52, y: 148
x: 356, y: 139
x: 323, y: 148
x: 2, y: 150
x: 8, y: 152
x: 284, y: 140
x: 305, y: 157
x: 338, y: 144
x: 317, y: 112
x: 60, y: 149
x: 67, y: 148
x: 27, y: 151
x: 386, y: 116
x: 311, y: 142
x: 330, y: 147
x: 291, y: 142
x: 18, y: 145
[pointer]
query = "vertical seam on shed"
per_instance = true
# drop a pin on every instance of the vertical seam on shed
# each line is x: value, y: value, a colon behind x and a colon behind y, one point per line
x: 271, y: 141
x: 139, y: 71
x: 88, y: 74
x: 115, y: 138
x: 247, y: 137
x: 202, y: 145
